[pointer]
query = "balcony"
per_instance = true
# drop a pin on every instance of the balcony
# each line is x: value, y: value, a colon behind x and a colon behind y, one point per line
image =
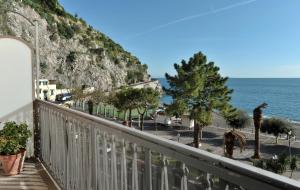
x: 86, y: 152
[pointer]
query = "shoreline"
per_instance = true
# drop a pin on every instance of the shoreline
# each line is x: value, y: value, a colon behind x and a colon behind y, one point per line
x: 250, y: 91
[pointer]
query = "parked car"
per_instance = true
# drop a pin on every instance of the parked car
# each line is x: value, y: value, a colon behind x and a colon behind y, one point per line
x: 63, y: 97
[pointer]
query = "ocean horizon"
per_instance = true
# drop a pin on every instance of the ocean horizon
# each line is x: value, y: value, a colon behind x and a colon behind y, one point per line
x: 281, y: 94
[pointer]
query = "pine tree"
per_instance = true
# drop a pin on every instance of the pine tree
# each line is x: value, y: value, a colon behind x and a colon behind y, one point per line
x: 198, y: 89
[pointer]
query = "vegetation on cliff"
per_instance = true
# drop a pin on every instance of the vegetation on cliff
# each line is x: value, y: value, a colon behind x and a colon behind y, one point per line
x: 67, y: 26
x: 70, y: 47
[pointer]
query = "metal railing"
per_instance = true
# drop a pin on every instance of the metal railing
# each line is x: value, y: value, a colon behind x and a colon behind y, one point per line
x: 86, y: 152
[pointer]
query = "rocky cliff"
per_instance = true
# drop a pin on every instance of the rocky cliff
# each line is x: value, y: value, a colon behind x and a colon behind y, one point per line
x: 72, y: 52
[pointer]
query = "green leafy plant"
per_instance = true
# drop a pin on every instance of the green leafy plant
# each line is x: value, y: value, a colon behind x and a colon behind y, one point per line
x: 235, y: 118
x: 43, y: 67
x: 9, y: 146
x: 24, y: 134
x: 65, y: 30
x: 276, y: 127
x: 260, y: 164
x: 14, y: 132
x: 71, y: 59
x: 274, y: 165
x: 294, y: 165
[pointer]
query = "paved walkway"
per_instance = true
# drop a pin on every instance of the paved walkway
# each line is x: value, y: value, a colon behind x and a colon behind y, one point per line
x: 213, y: 142
x: 33, y: 177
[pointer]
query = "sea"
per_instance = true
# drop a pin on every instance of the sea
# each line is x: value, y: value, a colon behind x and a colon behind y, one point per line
x: 281, y: 94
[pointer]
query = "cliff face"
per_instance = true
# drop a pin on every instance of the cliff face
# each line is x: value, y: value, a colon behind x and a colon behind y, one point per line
x: 71, y: 51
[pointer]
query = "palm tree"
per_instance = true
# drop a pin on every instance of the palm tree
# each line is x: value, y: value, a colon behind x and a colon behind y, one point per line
x: 257, y: 117
x: 229, y: 139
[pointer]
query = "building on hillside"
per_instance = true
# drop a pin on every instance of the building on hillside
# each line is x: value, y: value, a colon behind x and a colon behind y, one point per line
x: 47, y: 89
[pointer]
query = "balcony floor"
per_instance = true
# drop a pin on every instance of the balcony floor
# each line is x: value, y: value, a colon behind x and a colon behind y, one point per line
x: 33, y: 177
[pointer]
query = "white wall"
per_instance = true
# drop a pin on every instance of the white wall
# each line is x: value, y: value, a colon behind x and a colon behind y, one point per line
x: 16, y: 92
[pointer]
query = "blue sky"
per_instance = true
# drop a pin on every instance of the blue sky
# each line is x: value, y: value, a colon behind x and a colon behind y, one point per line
x: 245, y: 38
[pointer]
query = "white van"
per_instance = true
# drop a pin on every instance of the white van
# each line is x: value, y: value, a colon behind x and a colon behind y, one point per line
x: 162, y: 118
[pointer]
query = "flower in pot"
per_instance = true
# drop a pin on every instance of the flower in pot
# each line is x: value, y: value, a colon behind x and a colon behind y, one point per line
x: 18, y: 133
x: 10, y: 156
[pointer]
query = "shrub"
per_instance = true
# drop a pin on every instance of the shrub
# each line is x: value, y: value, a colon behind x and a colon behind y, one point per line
x: 260, y: 164
x: 97, y: 51
x: 294, y: 164
x: 82, y: 21
x: 50, y: 4
x: 61, y: 12
x: 71, y: 57
x: 241, y: 120
x: 274, y: 165
x: 117, y: 61
x: 276, y: 126
x: 70, y: 60
x: 48, y: 17
x: 43, y: 67
x: 65, y: 30
x: 59, y: 70
x: 134, y: 76
x: 76, y: 28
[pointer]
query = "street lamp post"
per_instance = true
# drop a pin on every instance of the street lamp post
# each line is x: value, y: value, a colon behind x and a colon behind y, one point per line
x: 37, y: 58
x: 290, y: 152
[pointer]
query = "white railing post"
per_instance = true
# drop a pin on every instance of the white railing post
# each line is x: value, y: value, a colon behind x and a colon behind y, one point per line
x: 164, y: 174
x: 123, y: 167
x: 114, y: 177
x: 184, y: 177
x: 93, y: 152
x: 148, y: 170
x: 105, y: 163
x: 135, y: 183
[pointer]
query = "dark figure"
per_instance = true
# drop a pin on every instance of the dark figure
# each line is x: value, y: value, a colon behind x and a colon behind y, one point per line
x: 90, y: 107
x: 257, y: 117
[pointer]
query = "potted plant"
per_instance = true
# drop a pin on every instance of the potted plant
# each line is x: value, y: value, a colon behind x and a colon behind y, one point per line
x: 14, y: 139
x: 10, y: 156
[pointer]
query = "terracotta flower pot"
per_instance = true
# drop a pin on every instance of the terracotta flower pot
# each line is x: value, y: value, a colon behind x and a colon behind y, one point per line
x: 11, y: 164
x: 22, y: 160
